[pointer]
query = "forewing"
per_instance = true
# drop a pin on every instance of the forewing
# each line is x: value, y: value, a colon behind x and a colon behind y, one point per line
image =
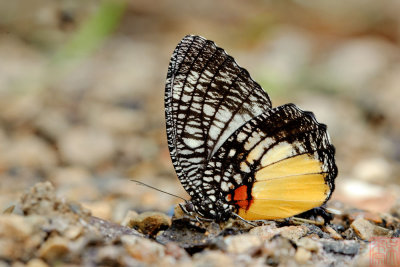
x: 208, y: 96
x: 278, y: 164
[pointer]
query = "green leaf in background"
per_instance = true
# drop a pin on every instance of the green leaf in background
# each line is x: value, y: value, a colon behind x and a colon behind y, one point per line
x: 93, y: 32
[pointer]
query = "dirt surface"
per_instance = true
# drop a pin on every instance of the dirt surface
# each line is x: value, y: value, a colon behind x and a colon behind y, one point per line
x: 44, y: 230
x: 82, y: 113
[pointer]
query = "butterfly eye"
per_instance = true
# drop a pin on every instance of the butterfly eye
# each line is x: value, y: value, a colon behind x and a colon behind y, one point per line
x: 187, y: 207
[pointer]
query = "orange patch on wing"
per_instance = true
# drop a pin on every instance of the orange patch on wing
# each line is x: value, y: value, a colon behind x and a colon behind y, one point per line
x: 240, y: 193
x: 241, y: 197
x: 285, y: 196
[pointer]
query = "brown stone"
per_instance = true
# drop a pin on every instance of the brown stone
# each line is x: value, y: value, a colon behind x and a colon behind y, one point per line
x: 335, y: 235
x: 54, y: 248
x: 19, y: 236
x: 150, y: 222
x: 366, y: 230
x: 363, y: 228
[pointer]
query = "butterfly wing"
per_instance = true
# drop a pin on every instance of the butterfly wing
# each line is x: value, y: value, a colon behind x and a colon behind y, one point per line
x: 279, y: 164
x: 208, y: 96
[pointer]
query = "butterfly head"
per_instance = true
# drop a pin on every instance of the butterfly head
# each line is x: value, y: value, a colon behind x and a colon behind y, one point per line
x: 207, y: 208
x: 187, y: 207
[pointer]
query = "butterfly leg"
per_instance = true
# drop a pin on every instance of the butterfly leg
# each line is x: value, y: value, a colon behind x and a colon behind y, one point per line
x: 201, y: 219
x: 246, y: 221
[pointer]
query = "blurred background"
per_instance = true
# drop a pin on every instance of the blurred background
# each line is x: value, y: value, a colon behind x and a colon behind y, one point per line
x: 82, y: 91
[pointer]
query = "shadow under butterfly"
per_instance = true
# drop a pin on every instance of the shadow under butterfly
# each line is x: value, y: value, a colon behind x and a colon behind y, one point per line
x: 233, y: 153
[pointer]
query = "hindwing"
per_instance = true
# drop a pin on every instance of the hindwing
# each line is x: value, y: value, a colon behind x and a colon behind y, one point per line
x: 279, y: 164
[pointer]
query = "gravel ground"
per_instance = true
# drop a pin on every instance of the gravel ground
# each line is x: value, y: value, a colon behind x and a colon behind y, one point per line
x: 45, y: 230
x: 80, y: 119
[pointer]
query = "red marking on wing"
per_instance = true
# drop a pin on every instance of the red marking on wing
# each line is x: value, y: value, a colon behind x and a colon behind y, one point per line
x: 241, y: 197
x: 240, y: 193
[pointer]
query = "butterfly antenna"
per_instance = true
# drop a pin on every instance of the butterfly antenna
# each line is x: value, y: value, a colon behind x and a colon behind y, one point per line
x: 140, y: 183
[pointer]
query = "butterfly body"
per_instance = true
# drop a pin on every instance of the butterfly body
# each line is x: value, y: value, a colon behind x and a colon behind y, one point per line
x: 233, y: 152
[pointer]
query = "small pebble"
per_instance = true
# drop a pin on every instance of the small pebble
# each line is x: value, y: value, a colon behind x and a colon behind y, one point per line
x: 266, y: 232
x: 129, y: 218
x: 73, y: 232
x: 15, y: 226
x: 363, y: 228
x: 150, y: 222
x: 244, y: 243
x: 335, y: 235
x: 346, y: 247
x: 381, y: 231
x: 294, y: 233
x: 302, y: 255
x: 366, y: 230
x: 19, y: 235
x: 54, y: 248
x: 308, y: 244
x: 349, y: 234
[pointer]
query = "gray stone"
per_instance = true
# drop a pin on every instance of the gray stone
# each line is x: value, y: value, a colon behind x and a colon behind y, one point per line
x: 341, y: 247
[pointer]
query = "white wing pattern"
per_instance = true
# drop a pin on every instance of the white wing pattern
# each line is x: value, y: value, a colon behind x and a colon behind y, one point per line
x: 221, y: 130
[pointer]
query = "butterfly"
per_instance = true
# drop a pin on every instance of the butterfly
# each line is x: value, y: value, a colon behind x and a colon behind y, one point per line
x: 233, y: 153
